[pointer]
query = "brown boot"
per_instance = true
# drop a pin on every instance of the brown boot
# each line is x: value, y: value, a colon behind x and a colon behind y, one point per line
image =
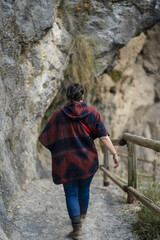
x: 76, y: 234
x: 83, y: 217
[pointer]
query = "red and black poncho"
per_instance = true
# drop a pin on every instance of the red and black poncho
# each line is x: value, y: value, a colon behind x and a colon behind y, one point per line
x: 74, y: 155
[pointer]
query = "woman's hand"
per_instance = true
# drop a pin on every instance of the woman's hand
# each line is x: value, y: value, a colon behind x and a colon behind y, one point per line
x: 109, y: 145
x: 116, y: 160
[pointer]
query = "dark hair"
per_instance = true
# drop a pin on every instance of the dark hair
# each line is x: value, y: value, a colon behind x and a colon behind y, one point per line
x: 74, y: 92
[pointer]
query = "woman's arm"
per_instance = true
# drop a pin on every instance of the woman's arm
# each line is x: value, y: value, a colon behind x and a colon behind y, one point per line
x: 109, y: 145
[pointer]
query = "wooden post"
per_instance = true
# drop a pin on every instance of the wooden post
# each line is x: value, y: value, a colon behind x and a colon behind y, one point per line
x: 132, y: 170
x: 106, y: 165
x: 154, y: 173
x: 146, y: 201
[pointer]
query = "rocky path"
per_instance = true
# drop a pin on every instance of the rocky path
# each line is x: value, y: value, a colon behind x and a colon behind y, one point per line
x: 39, y: 212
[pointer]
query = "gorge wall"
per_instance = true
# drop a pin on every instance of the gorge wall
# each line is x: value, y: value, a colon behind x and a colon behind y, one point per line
x: 128, y: 96
x: 35, y: 46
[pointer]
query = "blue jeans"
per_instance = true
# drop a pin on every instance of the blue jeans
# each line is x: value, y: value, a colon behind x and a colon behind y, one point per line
x: 77, y: 195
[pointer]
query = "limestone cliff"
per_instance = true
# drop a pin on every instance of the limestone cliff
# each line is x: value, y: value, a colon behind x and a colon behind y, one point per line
x: 130, y: 92
x: 34, y: 52
x: 128, y: 96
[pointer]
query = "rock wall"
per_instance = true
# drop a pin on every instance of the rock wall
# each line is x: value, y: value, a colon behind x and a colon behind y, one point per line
x: 128, y: 96
x: 113, y: 23
x: 34, y: 49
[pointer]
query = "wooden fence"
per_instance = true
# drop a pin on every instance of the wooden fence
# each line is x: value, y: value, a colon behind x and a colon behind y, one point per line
x: 130, y: 187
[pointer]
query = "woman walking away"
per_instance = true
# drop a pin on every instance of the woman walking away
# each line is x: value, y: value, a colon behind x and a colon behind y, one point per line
x: 70, y: 135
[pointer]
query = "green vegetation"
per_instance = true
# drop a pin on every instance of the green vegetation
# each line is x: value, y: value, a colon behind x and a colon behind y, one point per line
x: 24, y: 49
x: 81, y: 69
x: 115, y: 75
x: 63, y: 7
x: 93, y: 91
x: 39, y: 129
x: 75, y: 18
x: 82, y: 10
x: 13, y: 144
x: 82, y: 66
x: 39, y: 146
x: 148, y: 224
x: 84, y: 6
x: 65, y: 13
x: 2, y: 72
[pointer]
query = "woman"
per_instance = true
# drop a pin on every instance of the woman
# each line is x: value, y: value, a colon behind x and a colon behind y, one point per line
x: 70, y: 135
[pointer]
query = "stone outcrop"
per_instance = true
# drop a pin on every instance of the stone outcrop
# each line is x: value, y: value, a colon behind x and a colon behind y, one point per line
x: 128, y: 97
x: 113, y: 23
x: 34, y: 47
x: 33, y: 56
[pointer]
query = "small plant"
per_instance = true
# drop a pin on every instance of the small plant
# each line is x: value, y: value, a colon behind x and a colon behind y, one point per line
x: 67, y: 15
x: 82, y: 10
x: 84, y: 6
x: 63, y: 7
x: 115, y: 75
x: 39, y: 146
x: 82, y: 66
x: 74, y: 18
x: 13, y: 144
x: 148, y: 224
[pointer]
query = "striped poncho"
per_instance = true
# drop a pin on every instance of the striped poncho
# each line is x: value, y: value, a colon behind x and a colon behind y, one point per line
x: 74, y: 155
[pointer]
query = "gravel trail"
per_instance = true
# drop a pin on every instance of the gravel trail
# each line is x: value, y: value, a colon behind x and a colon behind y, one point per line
x: 38, y: 212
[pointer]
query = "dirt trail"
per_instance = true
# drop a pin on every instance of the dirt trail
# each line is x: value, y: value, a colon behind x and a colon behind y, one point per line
x: 39, y: 212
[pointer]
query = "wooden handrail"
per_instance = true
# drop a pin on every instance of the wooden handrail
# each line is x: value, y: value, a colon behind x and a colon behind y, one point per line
x: 146, y: 201
x: 139, y: 159
x: 143, y: 175
x: 114, y: 179
x: 131, y: 141
x: 142, y: 141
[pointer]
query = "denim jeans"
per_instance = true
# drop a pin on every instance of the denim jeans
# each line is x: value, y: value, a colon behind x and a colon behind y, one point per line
x: 77, y: 195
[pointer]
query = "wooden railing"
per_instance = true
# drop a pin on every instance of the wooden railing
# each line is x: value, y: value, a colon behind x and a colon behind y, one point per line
x: 130, y: 186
